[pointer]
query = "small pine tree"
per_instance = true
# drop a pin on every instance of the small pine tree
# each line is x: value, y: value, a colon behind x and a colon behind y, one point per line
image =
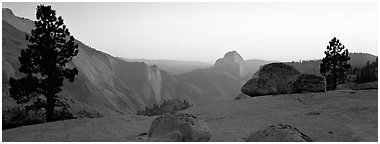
x: 44, y: 63
x: 335, y: 64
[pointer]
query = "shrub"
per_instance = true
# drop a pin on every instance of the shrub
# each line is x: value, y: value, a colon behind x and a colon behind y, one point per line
x: 167, y: 106
x: 20, y: 116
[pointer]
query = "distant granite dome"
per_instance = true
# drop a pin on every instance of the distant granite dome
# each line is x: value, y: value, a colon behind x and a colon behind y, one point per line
x: 233, y: 63
x: 234, y: 57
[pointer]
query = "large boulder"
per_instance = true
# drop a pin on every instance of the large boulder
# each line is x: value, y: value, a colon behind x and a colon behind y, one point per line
x: 279, y: 74
x: 273, y: 78
x: 309, y: 83
x: 278, y: 133
x: 179, y: 127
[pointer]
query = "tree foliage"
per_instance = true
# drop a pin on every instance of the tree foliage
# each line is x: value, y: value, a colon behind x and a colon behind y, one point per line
x: 44, y: 63
x: 335, y: 64
x: 167, y: 106
x: 368, y: 73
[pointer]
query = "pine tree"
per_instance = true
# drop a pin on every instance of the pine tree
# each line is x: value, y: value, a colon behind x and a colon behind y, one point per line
x: 44, y: 62
x: 335, y: 64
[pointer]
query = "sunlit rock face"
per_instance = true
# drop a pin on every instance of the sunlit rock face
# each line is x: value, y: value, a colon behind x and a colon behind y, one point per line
x: 155, y: 81
x: 232, y: 63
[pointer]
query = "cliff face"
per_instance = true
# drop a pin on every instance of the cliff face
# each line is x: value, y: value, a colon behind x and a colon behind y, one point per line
x: 155, y: 81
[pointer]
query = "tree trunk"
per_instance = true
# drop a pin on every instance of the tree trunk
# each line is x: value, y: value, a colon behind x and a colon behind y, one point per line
x: 49, y: 108
x: 334, y: 78
x: 334, y: 70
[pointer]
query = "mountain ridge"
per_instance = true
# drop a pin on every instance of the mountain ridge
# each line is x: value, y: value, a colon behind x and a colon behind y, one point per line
x: 19, y: 23
x: 173, y: 67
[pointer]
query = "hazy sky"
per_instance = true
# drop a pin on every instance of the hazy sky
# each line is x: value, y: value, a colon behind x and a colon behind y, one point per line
x: 206, y: 31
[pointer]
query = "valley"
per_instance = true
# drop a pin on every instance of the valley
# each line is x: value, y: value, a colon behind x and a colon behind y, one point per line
x: 227, y: 100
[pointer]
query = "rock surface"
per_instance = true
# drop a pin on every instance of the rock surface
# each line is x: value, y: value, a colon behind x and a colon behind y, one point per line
x: 179, y: 127
x: 279, y: 133
x: 258, y: 86
x: 273, y: 78
x: 343, y: 117
x: 309, y: 83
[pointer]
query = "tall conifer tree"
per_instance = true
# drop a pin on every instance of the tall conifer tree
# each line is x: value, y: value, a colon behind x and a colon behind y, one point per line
x: 44, y: 63
x: 334, y: 66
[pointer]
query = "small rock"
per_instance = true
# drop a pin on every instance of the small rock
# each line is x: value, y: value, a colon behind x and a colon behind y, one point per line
x: 143, y: 134
x: 313, y: 113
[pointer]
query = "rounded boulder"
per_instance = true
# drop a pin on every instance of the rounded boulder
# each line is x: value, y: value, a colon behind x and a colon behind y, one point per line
x: 279, y: 133
x: 178, y: 127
